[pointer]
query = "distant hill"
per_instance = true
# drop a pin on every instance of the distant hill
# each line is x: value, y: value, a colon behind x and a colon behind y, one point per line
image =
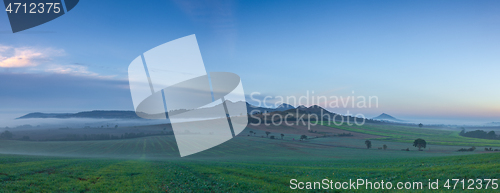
x: 44, y: 115
x: 493, y: 123
x: 301, y: 107
x: 387, y: 117
x: 86, y: 114
x: 284, y: 107
x: 100, y: 114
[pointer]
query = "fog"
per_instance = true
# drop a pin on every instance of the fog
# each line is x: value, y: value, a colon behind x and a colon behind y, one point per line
x: 450, y: 121
x: 9, y: 121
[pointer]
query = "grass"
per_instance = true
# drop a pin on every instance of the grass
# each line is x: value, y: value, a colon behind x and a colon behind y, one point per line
x: 407, y: 134
x: 164, y: 147
x: 243, y: 164
x: 45, y: 174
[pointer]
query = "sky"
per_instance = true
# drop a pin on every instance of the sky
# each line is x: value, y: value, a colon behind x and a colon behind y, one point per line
x: 420, y: 59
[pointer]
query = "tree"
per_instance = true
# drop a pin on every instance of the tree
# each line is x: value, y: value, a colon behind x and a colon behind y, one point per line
x: 368, y: 144
x: 6, y: 135
x: 303, y: 137
x: 251, y: 132
x: 267, y: 133
x: 282, y: 135
x: 419, y: 143
x: 385, y: 147
x: 116, y: 126
x: 420, y: 125
x: 492, y: 135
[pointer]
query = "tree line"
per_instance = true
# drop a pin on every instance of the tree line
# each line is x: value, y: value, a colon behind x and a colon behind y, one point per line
x: 87, y: 137
x: 107, y: 136
x: 479, y: 134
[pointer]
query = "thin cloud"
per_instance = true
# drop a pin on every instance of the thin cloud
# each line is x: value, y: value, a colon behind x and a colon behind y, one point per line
x: 40, y: 61
x: 70, y: 69
x: 21, y: 57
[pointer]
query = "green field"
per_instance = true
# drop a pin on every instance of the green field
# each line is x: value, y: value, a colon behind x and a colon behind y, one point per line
x: 35, y: 174
x: 408, y: 134
x: 243, y: 164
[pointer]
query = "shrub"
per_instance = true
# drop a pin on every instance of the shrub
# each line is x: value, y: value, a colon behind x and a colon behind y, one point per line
x: 470, y: 149
x: 6, y: 135
x: 345, y: 135
x: 368, y: 144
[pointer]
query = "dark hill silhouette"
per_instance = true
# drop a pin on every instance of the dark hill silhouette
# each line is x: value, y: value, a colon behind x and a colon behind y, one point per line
x: 301, y: 107
x: 284, y: 107
x: 100, y: 114
x: 86, y: 114
x: 387, y: 117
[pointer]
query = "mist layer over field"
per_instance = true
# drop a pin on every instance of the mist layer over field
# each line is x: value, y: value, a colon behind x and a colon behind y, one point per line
x: 450, y: 121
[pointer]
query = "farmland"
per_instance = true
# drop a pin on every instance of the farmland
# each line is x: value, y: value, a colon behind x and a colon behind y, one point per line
x: 34, y: 174
x: 407, y: 134
x: 245, y: 163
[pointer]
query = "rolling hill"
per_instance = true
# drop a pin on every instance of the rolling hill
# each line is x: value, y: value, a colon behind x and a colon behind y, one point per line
x: 386, y: 117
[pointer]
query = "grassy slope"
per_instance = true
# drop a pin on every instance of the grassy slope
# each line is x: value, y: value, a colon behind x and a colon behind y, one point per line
x: 241, y: 164
x: 164, y: 147
x: 35, y: 174
x: 408, y: 134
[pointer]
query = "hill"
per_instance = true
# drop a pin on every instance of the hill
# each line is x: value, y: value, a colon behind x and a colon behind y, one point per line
x: 387, y: 117
x: 284, y: 107
x: 116, y: 114
x: 99, y: 114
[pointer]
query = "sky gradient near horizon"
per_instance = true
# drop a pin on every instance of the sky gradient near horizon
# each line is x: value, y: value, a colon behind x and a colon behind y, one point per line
x: 420, y: 58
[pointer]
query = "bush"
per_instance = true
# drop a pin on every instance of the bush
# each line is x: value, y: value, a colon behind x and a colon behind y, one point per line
x: 368, y: 144
x: 479, y: 134
x: 272, y: 137
x: 6, y: 135
x: 470, y: 149
x: 345, y: 135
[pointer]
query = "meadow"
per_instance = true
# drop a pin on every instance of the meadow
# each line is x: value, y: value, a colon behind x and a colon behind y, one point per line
x: 407, y: 134
x: 48, y: 174
x: 244, y: 164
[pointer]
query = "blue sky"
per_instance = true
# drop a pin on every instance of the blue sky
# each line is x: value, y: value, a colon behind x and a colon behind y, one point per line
x: 420, y: 58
